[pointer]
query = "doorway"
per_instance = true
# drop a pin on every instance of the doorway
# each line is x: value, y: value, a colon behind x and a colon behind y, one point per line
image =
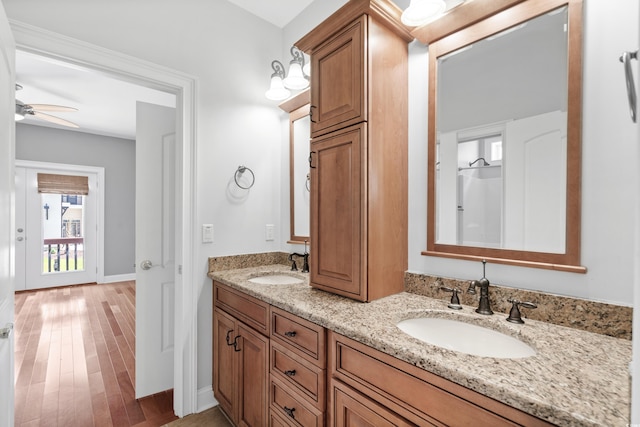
x: 183, y: 86
x: 59, y: 235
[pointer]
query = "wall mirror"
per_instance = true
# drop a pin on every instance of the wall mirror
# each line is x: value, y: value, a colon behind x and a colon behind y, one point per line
x: 504, y: 133
x: 299, y: 177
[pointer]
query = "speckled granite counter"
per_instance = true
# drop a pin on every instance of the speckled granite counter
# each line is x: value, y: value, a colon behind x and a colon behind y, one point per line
x: 576, y: 378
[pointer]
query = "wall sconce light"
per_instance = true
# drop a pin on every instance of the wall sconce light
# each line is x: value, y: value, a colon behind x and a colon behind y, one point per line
x: 277, y: 91
x: 296, y: 79
x: 420, y: 12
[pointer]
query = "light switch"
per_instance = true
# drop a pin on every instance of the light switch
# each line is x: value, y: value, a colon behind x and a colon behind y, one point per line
x: 269, y: 232
x: 207, y: 233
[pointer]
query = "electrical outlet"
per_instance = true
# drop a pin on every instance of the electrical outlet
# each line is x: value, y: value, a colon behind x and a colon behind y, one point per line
x: 269, y: 232
x: 207, y: 233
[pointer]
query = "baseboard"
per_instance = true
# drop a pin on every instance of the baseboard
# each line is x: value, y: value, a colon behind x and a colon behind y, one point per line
x: 119, y: 278
x: 206, y: 399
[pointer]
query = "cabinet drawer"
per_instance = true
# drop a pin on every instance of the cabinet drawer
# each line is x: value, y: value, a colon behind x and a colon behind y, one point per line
x: 299, y: 334
x: 352, y: 408
x: 415, y: 394
x: 249, y: 310
x: 299, y: 374
x: 291, y: 407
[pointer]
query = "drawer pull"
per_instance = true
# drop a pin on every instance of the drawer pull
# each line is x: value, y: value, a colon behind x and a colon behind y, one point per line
x: 290, y: 372
x: 228, y: 339
x: 289, y: 411
x: 290, y: 334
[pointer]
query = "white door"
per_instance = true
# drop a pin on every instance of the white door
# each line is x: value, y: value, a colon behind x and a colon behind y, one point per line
x: 7, y: 223
x: 156, y: 183
x: 57, y: 243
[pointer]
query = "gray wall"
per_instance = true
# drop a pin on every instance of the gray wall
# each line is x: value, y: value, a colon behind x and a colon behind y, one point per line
x: 118, y: 157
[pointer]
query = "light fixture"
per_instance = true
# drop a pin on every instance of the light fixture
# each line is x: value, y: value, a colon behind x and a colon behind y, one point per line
x: 277, y: 91
x: 296, y: 79
x: 420, y: 12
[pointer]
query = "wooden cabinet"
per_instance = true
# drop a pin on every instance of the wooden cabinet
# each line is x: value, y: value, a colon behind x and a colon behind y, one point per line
x: 240, y: 356
x: 337, y: 81
x: 298, y: 370
x: 412, y: 394
x: 359, y: 150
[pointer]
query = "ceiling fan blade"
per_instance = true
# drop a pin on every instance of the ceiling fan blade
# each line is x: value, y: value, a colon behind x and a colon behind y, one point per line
x: 51, y: 107
x: 54, y: 119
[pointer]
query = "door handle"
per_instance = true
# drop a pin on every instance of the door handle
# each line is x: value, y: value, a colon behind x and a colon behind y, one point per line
x: 5, y: 332
x: 631, y: 87
x: 146, y: 264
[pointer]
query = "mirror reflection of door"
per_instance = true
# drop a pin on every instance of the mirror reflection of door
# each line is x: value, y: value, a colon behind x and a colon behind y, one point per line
x: 501, y: 132
x: 300, y: 183
x: 300, y: 176
x: 57, y: 215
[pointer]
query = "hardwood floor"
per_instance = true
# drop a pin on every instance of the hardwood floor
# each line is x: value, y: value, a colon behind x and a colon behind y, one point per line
x: 75, y: 359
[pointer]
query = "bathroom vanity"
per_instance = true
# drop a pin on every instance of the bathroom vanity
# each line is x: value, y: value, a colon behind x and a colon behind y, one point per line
x: 351, y: 360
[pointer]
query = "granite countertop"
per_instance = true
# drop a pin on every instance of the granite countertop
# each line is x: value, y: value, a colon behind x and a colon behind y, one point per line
x: 576, y: 378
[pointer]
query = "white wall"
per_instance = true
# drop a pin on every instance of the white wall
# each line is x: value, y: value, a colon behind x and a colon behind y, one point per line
x: 230, y: 52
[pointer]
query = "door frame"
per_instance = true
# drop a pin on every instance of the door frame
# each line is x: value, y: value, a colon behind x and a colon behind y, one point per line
x: 80, y: 169
x: 53, y: 45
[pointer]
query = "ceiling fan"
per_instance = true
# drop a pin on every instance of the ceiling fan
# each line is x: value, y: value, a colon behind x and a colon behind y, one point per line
x: 36, y: 110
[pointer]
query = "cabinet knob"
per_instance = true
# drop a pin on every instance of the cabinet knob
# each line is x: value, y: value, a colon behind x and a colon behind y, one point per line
x: 290, y: 372
x: 290, y: 334
x: 289, y: 411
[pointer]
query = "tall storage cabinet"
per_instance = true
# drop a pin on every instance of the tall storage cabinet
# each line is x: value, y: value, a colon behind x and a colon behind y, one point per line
x: 359, y: 150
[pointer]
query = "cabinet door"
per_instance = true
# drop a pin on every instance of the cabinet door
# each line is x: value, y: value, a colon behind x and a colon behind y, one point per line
x: 253, y: 374
x: 350, y: 408
x: 338, y: 259
x: 338, y: 80
x: 224, y: 369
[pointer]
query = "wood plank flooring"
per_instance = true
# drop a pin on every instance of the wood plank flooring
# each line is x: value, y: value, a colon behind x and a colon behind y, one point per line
x: 75, y: 359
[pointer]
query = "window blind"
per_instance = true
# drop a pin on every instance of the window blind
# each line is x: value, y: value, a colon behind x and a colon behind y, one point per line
x: 63, y: 184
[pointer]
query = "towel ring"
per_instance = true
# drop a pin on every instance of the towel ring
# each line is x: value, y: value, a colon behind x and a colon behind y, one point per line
x: 241, y: 170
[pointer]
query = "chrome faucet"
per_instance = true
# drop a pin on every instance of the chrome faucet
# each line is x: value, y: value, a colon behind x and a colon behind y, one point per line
x: 305, y: 258
x: 484, y: 305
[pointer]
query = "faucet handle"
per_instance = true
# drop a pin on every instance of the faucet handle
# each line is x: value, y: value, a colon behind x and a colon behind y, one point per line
x: 514, y: 314
x: 455, y: 301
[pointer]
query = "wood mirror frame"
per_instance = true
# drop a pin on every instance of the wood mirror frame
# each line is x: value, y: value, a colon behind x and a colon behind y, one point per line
x: 297, y: 107
x: 480, y: 19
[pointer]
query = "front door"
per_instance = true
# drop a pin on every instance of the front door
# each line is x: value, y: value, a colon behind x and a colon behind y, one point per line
x: 156, y: 183
x: 7, y: 223
x: 57, y: 243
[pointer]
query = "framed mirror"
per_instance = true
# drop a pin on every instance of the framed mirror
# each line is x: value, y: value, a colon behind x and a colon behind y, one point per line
x: 504, y: 133
x: 299, y: 174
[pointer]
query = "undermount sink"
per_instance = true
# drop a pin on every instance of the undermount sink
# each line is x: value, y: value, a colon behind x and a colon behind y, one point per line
x: 465, y: 338
x: 276, y: 279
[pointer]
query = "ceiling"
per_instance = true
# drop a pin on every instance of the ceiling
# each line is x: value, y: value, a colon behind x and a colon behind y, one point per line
x: 106, y: 106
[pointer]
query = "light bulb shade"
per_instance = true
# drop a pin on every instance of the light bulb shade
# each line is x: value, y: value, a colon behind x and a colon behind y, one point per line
x: 295, y: 79
x: 277, y: 91
x: 307, y: 68
x: 420, y: 12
